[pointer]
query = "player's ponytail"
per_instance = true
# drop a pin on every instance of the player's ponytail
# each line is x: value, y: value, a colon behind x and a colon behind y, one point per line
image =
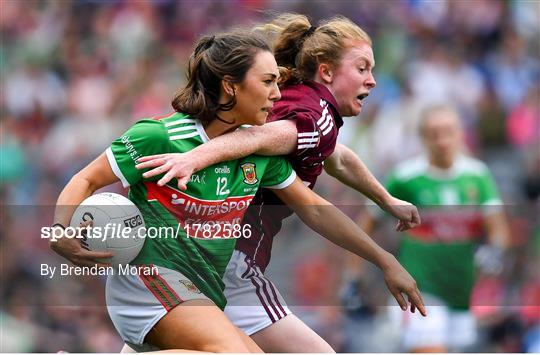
x: 227, y: 55
x: 195, y: 98
x: 288, y: 32
x: 299, y: 47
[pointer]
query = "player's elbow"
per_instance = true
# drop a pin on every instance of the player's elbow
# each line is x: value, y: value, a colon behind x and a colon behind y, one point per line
x: 83, y: 182
x: 330, y: 167
x: 334, y: 165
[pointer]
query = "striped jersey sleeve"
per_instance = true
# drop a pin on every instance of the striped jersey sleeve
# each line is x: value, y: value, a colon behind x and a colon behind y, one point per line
x: 308, y: 134
x: 311, y: 130
x: 181, y: 127
x: 146, y: 137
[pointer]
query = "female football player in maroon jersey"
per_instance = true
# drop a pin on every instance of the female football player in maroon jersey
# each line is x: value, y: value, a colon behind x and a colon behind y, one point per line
x: 327, y: 74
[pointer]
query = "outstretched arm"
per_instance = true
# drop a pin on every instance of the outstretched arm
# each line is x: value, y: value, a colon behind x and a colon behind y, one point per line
x: 274, y: 138
x: 327, y: 220
x: 347, y: 167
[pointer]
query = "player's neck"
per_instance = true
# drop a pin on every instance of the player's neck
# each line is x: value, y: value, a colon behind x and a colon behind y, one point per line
x: 218, y: 127
x: 441, y: 163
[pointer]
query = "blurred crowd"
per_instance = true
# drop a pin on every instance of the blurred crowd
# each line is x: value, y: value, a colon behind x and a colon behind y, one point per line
x: 75, y: 75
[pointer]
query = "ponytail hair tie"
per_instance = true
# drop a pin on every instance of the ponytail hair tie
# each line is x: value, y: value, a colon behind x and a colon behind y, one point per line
x: 310, y: 31
x: 305, y: 35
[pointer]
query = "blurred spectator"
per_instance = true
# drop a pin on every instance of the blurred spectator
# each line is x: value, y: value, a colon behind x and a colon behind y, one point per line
x: 512, y: 70
x: 523, y: 125
x: 31, y: 87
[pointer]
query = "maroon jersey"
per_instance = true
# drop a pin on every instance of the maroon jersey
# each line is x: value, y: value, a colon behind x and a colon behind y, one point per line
x: 314, y: 109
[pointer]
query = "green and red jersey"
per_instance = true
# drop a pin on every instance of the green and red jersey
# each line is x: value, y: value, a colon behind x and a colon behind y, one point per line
x: 216, y: 199
x: 439, y: 253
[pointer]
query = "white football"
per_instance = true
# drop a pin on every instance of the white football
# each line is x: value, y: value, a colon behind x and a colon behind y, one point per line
x: 117, y: 226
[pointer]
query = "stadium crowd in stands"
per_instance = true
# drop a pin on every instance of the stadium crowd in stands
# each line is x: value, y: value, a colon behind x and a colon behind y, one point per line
x: 76, y: 74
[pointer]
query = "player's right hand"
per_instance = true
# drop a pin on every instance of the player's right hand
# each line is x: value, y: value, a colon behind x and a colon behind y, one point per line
x: 405, y: 212
x: 175, y: 165
x: 72, y: 250
x: 400, y: 282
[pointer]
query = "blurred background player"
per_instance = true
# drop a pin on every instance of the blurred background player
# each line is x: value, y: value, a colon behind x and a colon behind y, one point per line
x: 459, y: 202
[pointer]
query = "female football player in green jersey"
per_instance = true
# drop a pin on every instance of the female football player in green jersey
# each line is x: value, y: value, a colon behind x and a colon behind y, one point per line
x: 232, y: 81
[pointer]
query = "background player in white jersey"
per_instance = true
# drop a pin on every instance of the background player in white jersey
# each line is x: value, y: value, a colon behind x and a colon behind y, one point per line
x: 327, y: 75
x: 232, y: 81
x: 459, y: 202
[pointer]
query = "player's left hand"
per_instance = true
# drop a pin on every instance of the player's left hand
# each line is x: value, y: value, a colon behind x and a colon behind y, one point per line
x: 405, y: 212
x: 173, y: 165
x: 489, y: 259
x: 400, y: 282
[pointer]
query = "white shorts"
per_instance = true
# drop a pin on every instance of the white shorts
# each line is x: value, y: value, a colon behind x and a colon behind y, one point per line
x: 253, y: 301
x: 455, y: 330
x: 137, y: 302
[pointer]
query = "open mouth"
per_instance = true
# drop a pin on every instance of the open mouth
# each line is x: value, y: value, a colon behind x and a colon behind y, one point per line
x: 360, y: 98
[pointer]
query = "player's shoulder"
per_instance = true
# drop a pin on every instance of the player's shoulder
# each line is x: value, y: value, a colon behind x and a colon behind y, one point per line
x: 144, y: 130
x: 299, y: 100
x: 174, y: 127
x: 173, y: 118
x: 467, y: 165
x: 411, y: 168
x: 155, y: 124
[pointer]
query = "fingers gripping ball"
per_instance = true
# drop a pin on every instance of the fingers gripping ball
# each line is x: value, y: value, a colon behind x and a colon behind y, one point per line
x: 116, y: 226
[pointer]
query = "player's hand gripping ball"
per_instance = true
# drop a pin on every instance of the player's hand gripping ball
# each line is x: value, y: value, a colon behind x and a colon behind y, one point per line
x: 117, y: 226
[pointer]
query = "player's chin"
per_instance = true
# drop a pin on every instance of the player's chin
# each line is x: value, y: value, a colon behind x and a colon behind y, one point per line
x: 261, y: 118
x: 354, y: 110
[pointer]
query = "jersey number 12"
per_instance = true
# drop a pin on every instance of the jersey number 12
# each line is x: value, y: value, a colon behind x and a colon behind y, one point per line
x: 222, y: 186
